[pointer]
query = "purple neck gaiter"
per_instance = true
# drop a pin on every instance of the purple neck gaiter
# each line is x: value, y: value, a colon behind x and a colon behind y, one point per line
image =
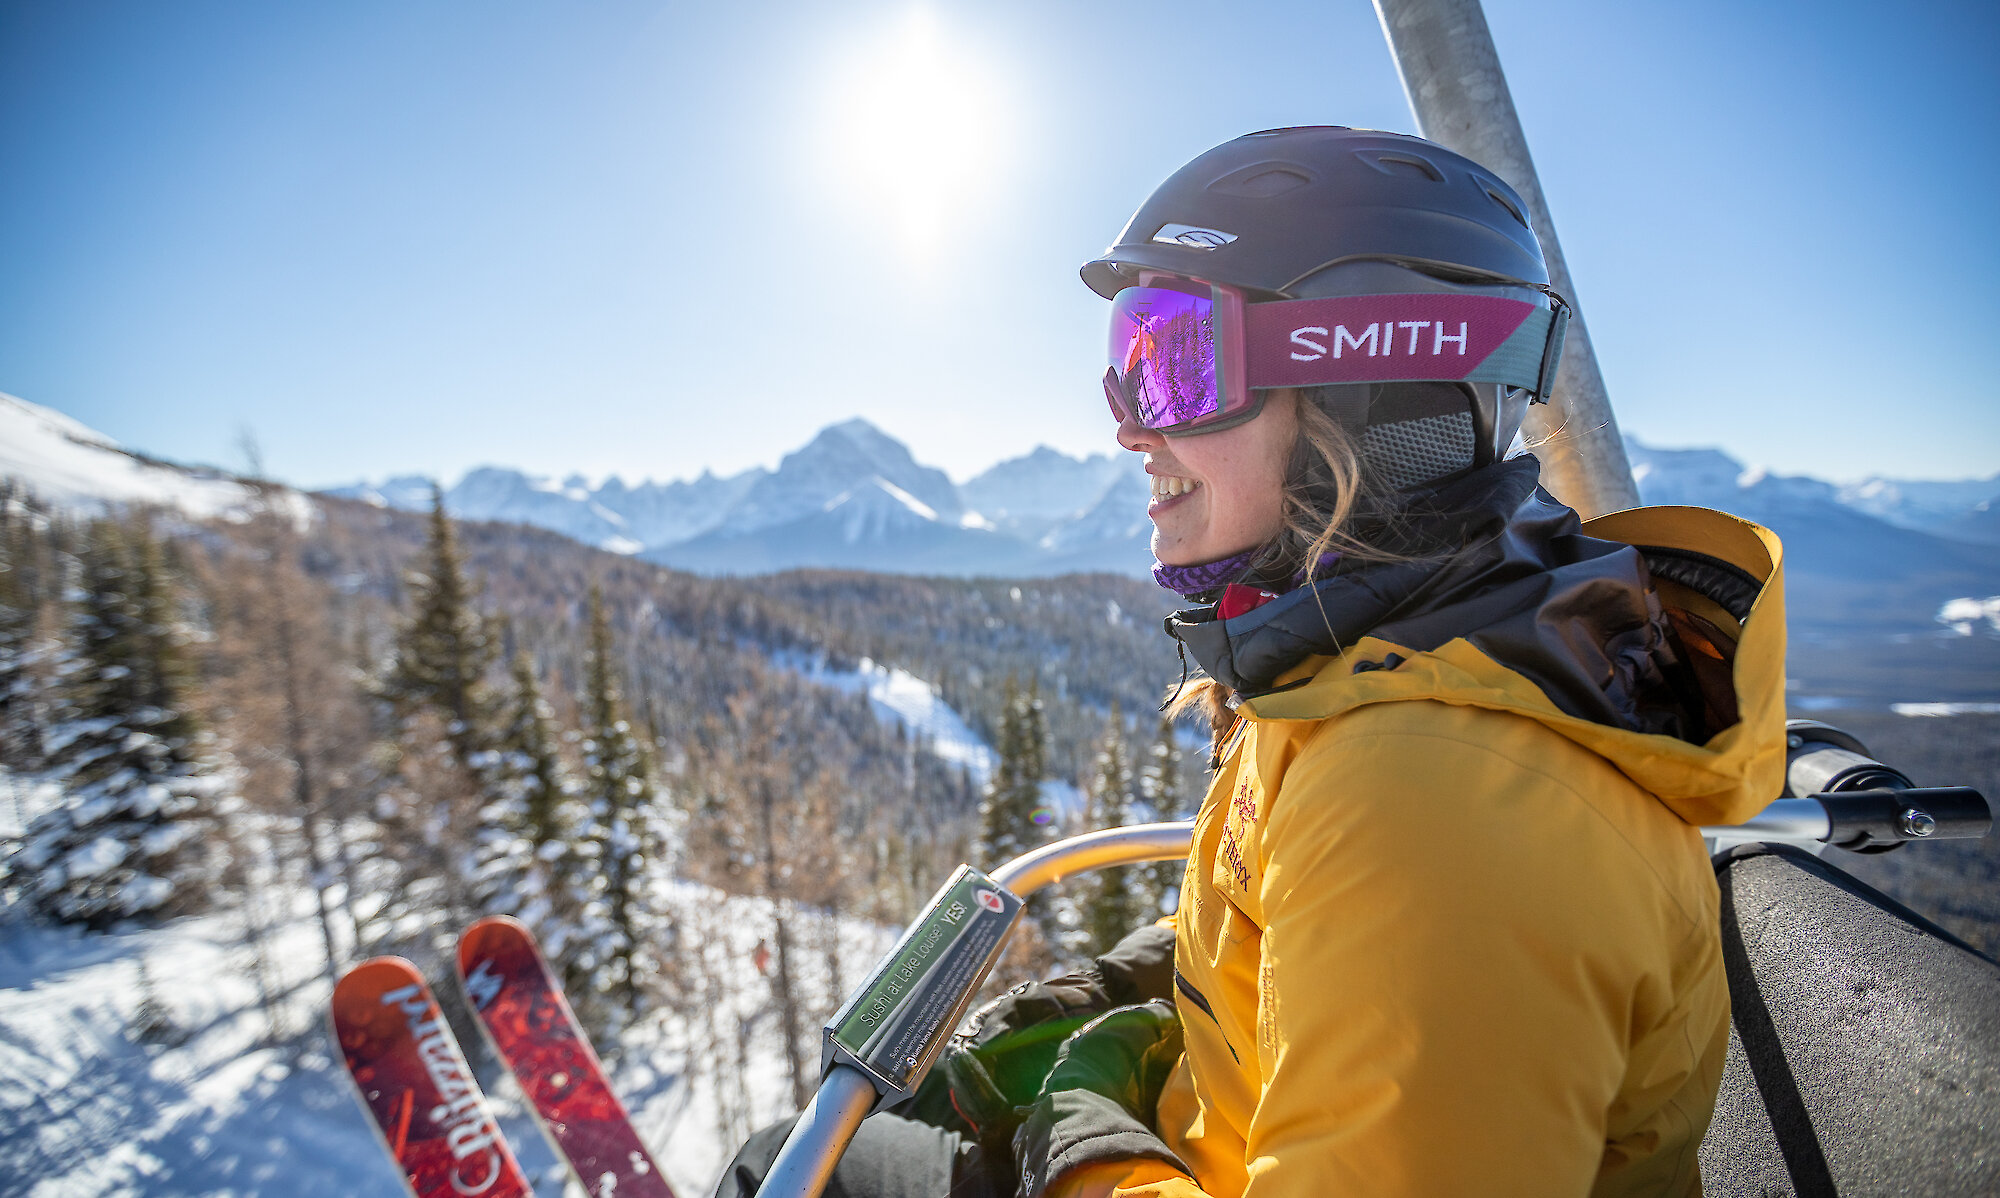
x: 1192, y: 581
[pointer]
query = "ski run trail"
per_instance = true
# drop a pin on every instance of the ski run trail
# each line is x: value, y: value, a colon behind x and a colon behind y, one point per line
x: 220, y: 1106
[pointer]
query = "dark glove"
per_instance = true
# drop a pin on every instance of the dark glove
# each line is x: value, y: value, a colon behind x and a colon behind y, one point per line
x: 1100, y: 1101
x: 996, y: 1065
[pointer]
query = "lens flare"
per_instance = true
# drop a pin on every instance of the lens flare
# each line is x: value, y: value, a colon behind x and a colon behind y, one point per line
x: 919, y: 131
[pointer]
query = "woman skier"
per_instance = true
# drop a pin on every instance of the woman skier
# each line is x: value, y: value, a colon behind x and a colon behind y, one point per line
x: 1447, y: 926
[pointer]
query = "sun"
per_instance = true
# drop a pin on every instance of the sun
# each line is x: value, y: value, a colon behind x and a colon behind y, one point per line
x: 917, y: 130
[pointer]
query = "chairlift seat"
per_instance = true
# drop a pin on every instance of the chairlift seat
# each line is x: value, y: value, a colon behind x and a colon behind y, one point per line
x: 1864, y: 1047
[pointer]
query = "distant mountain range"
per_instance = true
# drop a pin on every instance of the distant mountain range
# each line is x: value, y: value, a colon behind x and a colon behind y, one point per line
x: 855, y: 497
x: 851, y: 497
x: 1884, y: 554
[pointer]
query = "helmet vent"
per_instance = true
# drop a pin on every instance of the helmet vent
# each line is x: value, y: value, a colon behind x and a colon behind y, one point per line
x: 1508, y: 204
x: 1262, y: 181
x: 1404, y: 165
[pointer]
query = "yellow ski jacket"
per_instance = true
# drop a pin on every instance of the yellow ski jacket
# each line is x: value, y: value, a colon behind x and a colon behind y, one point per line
x: 1441, y: 934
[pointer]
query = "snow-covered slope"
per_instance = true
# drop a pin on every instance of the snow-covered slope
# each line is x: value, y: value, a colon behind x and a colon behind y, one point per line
x: 663, y: 513
x: 69, y: 464
x: 915, y: 704
x: 1970, y: 615
x: 239, y: 1092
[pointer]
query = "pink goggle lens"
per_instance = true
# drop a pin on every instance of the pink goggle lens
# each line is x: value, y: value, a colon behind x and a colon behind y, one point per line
x: 1162, y: 357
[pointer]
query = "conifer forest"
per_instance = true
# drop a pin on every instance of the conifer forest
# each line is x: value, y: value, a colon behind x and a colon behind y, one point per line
x: 417, y: 722
x: 382, y: 725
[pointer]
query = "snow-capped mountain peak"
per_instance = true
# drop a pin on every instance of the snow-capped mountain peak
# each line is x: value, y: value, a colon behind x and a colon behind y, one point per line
x: 812, y: 478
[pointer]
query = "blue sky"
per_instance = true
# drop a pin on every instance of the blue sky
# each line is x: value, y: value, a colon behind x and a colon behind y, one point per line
x: 647, y: 239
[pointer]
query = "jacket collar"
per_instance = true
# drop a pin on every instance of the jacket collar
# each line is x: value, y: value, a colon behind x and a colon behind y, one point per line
x: 1491, y: 558
x: 1430, y: 531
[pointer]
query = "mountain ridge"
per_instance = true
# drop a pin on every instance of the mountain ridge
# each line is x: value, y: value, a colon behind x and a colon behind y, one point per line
x: 855, y: 497
x: 1055, y: 512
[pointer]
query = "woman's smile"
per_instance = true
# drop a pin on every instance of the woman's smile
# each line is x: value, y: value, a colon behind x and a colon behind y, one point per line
x: 1169, y: 489
x: 1217, y: 493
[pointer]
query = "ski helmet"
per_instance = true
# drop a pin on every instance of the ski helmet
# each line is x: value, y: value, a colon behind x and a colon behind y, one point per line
x: 1318, y: 212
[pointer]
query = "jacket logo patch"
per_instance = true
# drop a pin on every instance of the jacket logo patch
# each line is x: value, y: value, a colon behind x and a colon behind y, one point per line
x: 1243, y: 805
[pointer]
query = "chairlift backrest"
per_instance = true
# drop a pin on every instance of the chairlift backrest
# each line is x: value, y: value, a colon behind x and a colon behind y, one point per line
x: 1864, y: 1047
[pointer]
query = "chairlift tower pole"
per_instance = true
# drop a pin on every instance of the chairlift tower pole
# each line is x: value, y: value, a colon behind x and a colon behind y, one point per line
x: 1451, y: 73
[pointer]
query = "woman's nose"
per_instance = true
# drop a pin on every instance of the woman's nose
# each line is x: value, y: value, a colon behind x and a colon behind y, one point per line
x: 1137, y: 437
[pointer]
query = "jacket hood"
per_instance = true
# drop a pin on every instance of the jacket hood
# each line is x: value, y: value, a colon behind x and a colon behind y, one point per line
x: 1653, y: 637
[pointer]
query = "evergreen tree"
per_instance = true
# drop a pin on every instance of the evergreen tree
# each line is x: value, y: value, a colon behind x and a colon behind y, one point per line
x: 634, y: 839
x: 439, y: 742
x: 141, y: 782
x: 444, y: 652
x: 1159, y: 800
x: 1012, y: 815
x: 525, y: 823
x: 1113, y: 899
x: 28, y: 588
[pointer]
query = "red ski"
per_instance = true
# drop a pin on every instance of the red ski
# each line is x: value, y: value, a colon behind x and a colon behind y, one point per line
x: 529, y: 1023
x: 417, y: 1088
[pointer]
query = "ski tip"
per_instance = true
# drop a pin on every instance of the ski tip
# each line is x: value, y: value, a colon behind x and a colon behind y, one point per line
x: 492, y: 921
x: 375, y: 975
x: 483, y: 937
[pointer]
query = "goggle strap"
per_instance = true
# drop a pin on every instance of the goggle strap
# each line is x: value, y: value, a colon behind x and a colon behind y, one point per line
x: 1552, y: 350
x: 1404, y: 338
x: 1526, y: 358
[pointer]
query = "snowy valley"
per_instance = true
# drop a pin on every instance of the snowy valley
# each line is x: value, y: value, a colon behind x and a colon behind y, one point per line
x: 225, y: 753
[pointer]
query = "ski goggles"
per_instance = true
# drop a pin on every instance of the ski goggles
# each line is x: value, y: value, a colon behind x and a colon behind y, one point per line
x: 1189, y: 357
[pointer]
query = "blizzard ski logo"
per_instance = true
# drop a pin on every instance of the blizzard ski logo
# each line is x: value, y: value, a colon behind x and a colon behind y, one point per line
x: 482, y: 985
x: 1379, y: 338
x: 469, y: 1130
